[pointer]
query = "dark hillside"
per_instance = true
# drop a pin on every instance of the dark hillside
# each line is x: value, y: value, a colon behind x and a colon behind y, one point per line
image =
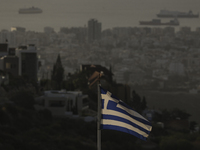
x: 169, y: 100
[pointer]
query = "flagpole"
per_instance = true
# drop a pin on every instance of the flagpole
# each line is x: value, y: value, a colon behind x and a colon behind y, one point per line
x: 99, y: 117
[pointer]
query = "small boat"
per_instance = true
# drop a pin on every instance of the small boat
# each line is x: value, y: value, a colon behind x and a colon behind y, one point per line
x: 31, y: 10
x: 167, y: 13
x: 174, y: 22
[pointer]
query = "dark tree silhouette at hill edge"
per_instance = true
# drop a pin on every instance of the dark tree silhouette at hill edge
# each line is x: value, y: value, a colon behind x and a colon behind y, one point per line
x: 58, y: 73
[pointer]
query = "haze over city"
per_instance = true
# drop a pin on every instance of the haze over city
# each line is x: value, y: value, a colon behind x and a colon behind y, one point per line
x: 50, y: 62
x: 76, y: 13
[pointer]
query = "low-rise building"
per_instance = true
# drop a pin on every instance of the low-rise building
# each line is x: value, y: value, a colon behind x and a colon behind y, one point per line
x: 62, y: 103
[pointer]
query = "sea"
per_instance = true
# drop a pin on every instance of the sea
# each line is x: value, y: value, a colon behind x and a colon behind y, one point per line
x: 76, y: 13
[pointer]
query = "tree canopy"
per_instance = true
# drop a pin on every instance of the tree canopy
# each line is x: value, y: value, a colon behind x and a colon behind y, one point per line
x: 58, y: 73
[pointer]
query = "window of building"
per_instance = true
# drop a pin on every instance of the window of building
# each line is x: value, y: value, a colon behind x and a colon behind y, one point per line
x: 56, y: 103
x: 23, y: 56
x: 13, y: 66
x: 8, y: 65
x: 69, y: 105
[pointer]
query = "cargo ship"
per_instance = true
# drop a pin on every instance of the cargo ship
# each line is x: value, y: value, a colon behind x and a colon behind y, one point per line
x: 168, y: 14
x: 174, y: 22
x: 31, y: 10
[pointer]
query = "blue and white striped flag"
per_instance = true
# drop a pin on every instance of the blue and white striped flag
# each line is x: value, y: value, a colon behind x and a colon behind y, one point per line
x: 116, y: 115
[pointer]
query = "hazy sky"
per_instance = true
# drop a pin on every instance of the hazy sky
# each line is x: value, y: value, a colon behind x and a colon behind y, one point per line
x: 58, y: 13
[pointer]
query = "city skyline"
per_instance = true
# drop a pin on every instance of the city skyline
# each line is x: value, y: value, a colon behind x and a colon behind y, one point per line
x: 50, y: 60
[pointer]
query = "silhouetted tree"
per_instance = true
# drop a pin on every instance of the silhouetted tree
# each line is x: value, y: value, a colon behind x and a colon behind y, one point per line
x: 192, y: 125
x: 174, y: 114
x: 23, y: 98
x: 136, y: 102
x: 4, y: 117
x: 45, y: 114
x: 80, y: 80
x: 143, y: 104
x: 177, y: 113
x: 110, y: 75
x: 45, y: 84
x: 58, y: 72
x: 175, y: 143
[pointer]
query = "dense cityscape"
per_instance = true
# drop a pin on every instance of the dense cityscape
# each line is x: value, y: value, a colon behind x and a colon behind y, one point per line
x: 148, y: 56
x: 132, y: 59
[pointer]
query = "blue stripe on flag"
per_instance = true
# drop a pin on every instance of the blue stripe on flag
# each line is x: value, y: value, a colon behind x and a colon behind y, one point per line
x: 102, y: 103
x: 113, y: 106
x: 117, y: 118
x: 122, y: 129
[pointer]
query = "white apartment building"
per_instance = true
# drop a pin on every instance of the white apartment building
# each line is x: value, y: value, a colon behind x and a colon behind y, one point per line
x: 62, y: 103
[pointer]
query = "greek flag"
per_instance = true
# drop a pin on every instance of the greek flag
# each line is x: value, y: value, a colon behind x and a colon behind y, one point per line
x: 116, y: 115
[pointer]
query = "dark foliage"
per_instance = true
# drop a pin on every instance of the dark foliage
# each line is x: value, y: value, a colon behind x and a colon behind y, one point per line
x: 174, y: 114
x: 23, y: 98
x: 22, y: 128
x: 137, y: 103
x: 58, y: 73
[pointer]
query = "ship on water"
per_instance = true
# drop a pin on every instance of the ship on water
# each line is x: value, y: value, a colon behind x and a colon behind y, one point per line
x: 178, y: 14
x: 174, y: 22
x: 31, y: 10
